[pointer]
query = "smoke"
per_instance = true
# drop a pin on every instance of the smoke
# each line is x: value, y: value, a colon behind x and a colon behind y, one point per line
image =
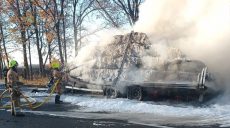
x: 90, y: 53
x: 200, y: 28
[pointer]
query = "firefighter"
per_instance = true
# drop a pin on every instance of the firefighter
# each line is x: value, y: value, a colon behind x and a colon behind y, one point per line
x: 4, y: 73
x: 57, y: 75
x: 13, y: 85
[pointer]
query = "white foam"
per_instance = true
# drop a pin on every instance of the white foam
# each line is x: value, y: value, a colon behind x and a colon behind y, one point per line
x: 214, y: 114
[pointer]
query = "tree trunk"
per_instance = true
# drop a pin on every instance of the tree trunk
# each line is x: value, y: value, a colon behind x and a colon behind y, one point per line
x: 75, y: 41
x: 4, y: 46
x: 29, y: 48
x: 1, y: 60
x: 64, y: 43
x: 74, y: 26
x: 34, y: 12
x: 57, y: 26
x: 23, y: 38
x: 75, y: 33
x: 39, y: 51
x: 49, y: 52
x: 26, y: 66
x: 59, y: 41
x: 63, y: 27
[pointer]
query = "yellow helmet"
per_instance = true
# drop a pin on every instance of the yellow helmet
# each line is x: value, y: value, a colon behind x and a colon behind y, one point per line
x: 13, y: 63
x: 55, y: 64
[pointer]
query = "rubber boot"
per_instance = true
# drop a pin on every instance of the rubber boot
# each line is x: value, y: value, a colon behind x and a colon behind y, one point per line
x: 18, y: 112
x: 13, y: 111
x: 57, y: 99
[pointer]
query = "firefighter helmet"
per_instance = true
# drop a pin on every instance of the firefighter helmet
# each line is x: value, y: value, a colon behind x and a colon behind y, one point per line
x: 13, y: 63
x: 55, y: 64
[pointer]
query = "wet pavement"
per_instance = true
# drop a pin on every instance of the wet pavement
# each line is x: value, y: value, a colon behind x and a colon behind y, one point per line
x: 69, y: 115
x: 36, y: 120
x: 44, y: 121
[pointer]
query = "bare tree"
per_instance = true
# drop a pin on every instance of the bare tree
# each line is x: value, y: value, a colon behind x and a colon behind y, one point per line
x: 4, y: 54
x: 19, y: 10
x: 104, y: 7
x: 1, y: 53
x: 62, y: 14
x: 119, y: 12
x: 33, y: 9
x: 52, y: 16
x: 81, y: 9
x: 131, y: 9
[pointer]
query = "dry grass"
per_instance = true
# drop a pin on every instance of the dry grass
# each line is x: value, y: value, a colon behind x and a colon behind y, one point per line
x: 37, y: 82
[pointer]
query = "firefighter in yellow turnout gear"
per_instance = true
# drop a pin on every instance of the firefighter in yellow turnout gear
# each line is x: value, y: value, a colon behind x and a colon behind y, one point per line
x: 57, y: 75
x: 13, y: 85
x: 4, y: 72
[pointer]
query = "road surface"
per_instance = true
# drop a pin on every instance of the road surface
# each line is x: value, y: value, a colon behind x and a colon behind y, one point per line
x: 80, y: 111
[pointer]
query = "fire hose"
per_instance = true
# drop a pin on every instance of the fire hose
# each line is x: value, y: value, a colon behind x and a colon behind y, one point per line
x: 29, y: 103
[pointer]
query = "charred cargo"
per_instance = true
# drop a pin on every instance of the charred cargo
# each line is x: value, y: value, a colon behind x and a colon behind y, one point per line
x: 131, y: 66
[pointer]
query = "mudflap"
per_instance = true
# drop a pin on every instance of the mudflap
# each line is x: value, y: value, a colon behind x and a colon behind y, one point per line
x: 202, y: 95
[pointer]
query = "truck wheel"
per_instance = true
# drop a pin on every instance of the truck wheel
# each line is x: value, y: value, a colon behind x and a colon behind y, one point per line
x: 135, y: 92
x: 111, y: 93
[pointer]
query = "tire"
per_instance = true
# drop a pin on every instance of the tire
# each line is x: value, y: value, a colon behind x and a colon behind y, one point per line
x: 135, y: 92
x: 111, y: 92
x: 105, y: 90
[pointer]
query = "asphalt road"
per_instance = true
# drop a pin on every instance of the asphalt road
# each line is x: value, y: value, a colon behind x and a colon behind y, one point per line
x: 36, y: 120
x: 32, y: 120
x: 44, y: 121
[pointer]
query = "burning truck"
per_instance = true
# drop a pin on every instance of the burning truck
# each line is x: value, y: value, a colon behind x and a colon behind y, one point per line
x: 133, y: 67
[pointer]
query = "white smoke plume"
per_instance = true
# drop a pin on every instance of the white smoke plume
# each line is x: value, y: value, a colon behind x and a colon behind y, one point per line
x: 200, y: 28
x: 90, y: 53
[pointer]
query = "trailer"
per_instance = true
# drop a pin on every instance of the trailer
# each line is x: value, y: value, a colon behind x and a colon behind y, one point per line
x: 122, y: 70
x: 201, y: 90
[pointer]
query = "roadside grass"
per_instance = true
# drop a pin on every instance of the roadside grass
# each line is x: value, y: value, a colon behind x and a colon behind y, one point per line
x: 35, y: 82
